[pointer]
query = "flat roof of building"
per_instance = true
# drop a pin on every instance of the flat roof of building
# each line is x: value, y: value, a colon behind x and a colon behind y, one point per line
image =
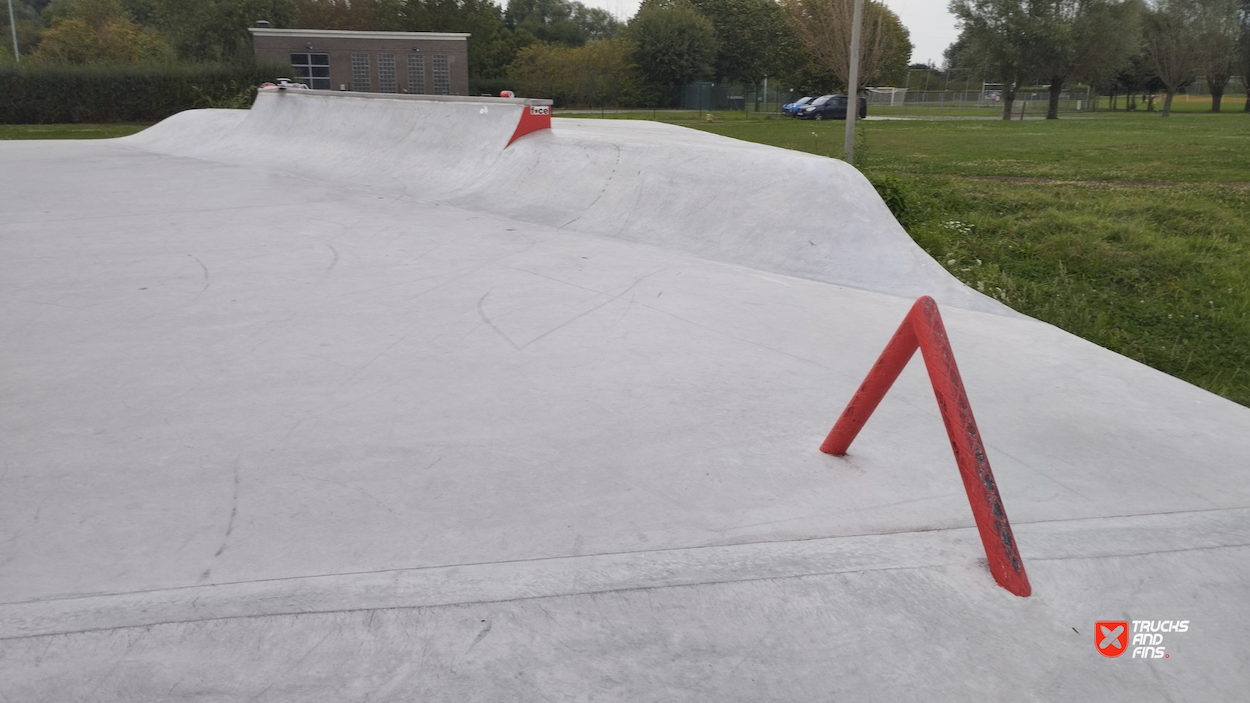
x: 355, y: 34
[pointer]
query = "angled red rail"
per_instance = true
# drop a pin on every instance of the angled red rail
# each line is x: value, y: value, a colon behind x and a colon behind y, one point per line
x: 923, y: 329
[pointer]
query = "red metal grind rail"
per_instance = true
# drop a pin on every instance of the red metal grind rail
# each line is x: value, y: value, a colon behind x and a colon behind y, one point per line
x: 923, y: 329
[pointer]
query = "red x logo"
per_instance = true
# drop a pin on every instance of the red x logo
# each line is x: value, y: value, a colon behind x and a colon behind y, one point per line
x: 1111, y: 637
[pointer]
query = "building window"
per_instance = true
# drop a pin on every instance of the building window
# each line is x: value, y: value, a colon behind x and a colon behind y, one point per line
x: 442, y: 76
x: 360, y: 73
x: 312, y: 69
x: 416, y: 74
x: 386, y: 74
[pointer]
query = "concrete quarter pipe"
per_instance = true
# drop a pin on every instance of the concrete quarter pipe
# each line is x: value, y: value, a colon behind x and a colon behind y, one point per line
x: 348, y: 398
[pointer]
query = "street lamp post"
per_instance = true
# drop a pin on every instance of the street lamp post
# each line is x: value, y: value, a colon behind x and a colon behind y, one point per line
x: 852, y: 87
x: 17, y: 55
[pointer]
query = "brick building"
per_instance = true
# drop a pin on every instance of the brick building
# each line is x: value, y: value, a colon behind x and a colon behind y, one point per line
x: 420, y: 63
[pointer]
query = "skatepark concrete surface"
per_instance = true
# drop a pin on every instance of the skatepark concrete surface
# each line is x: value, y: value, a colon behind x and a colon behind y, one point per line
x: 339, y: 399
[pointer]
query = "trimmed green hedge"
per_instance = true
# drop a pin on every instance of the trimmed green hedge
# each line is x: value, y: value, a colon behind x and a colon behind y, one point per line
x: 48, y: 94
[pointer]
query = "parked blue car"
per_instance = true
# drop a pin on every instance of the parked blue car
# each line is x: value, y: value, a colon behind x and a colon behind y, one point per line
x: 792, y: 109
x: 830, y: 107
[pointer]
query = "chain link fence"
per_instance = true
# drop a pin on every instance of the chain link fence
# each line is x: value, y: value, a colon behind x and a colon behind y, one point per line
x: 968, y: 99
x: 741, y: 97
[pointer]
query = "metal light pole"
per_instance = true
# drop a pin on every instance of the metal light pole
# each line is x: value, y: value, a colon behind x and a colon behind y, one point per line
x: 17, y: 55
x: 852, y: 87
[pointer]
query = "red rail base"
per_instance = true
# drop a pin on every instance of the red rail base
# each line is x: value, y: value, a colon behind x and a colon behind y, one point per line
x: 923, y: 329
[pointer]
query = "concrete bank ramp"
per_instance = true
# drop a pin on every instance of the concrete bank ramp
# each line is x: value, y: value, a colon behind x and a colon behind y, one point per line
x: 681, y: 189
x: 290, y: 417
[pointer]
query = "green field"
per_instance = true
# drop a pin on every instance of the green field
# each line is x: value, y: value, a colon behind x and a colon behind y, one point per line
x: 67, y: 131
x: 1124, y: 228
x: 1137, y: 146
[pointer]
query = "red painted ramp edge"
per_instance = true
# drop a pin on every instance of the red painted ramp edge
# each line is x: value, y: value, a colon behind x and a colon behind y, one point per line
x: 922, y: 329
x: 533, y: 118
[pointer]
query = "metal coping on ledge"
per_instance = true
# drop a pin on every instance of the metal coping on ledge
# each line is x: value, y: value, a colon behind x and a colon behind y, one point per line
x: 410, y: 96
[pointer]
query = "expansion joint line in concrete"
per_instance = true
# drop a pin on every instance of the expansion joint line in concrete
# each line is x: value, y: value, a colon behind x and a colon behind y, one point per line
x: 553, y: 577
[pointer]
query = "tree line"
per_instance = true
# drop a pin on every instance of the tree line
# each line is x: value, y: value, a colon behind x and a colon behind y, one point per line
x: 1117, y: 45
x: 550, y: 48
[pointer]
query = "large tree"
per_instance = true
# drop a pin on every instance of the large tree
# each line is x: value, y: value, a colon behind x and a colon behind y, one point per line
x: 1172, y: 44
x: 595, y: 74
x: 492, y: 46
x: 216, y: 30
x: 96, y: 32
x: 824, y: 27
x: 1138, y: 76
x: 366, y: 15
x: 1061, y: 40
x: 1219, y: 30
x: 674, y: 43
x: 999, y: 37
x: 29, y: 29
x: 753, y: 39
x: 1083, y: 39
x: 560, y: 21
x: 1243, y: 50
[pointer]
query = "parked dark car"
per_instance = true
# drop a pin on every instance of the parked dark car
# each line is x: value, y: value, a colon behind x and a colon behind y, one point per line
x: 830, y: 107
x: 791, y: 109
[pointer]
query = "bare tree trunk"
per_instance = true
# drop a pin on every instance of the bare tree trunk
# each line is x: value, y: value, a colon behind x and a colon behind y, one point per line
x: 1009, y: 99
x: 1167, y: 102
x: 1217, y: 83
x: 1247, y: 107
x: 1052, y: 108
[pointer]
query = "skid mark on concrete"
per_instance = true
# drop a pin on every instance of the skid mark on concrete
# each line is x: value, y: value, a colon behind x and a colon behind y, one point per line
x: 480, y: 636
x: 205, y: 270
x: 234, y: 513
x: 335, y: 261
x: 606, y: 183
x: 481, y: 312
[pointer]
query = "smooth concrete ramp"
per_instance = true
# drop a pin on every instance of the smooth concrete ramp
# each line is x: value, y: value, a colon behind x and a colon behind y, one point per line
x: 281, y: 426
x: 702, y: 194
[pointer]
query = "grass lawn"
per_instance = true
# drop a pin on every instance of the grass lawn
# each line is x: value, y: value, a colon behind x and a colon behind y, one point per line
x: 1234, y: 101
x: 1136, y: 146
x: 68, y: 131
x: 1160, y: 274
x: 1124, y: 228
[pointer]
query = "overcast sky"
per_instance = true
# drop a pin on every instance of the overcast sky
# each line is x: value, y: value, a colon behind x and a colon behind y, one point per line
x: 932, y: 27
